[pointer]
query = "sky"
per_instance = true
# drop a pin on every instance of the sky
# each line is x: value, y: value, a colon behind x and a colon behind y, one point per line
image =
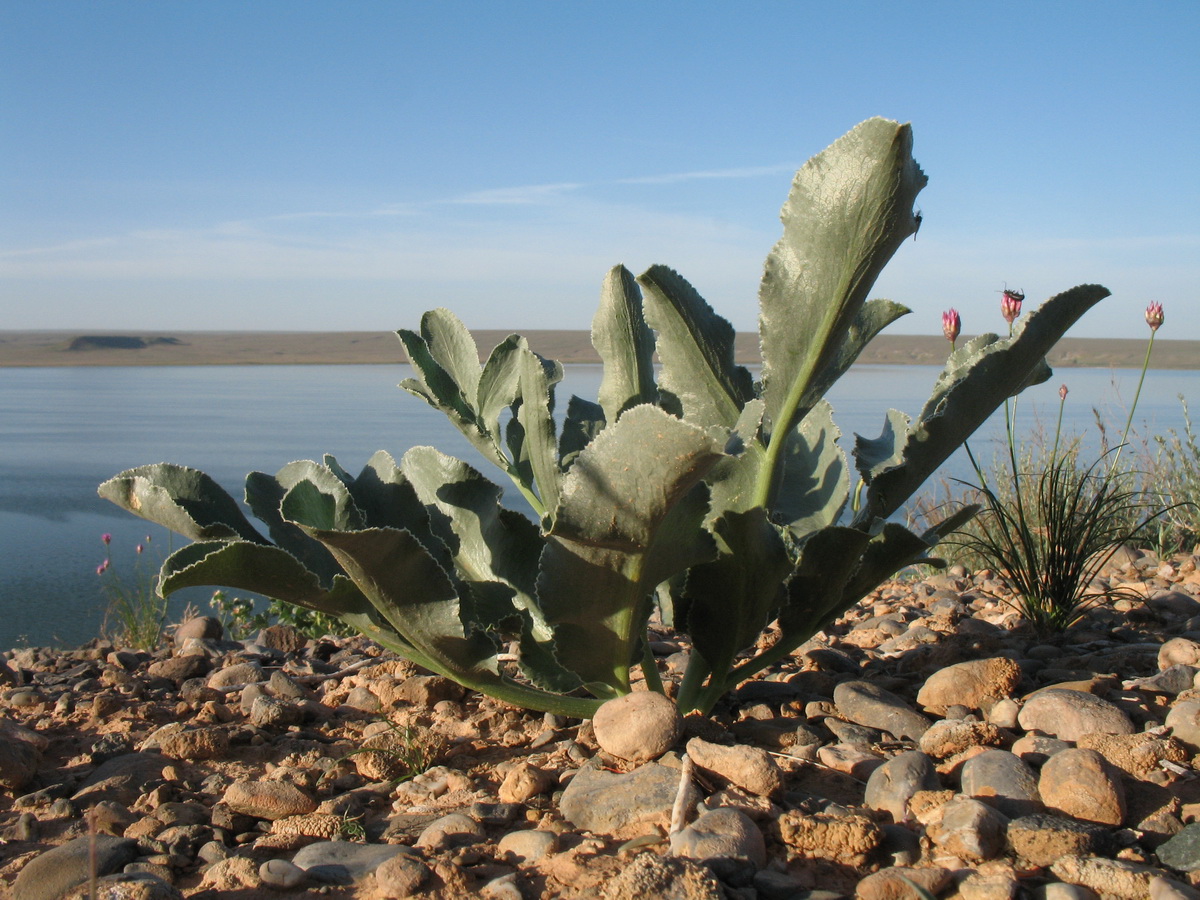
x: 344, y: 166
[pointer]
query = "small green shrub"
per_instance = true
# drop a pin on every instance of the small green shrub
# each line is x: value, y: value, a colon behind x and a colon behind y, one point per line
x: 725, y: 501
x: 240, y: 619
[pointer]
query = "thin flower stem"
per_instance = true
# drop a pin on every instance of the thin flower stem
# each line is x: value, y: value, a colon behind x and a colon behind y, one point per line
x: 1132, y: 409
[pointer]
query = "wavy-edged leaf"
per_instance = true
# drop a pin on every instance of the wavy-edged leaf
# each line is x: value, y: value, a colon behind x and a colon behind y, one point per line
x: 500, y: 381
x: 729, y: 600
x: 494, y: 554
x: 584, y: 421
x: 262, y: 569
x: 977, y: 379
x: 696, y: 349
x: 536, y: 417
x: 320, y: 500
x: 849, y: 210
x: 623, y: 526
x: 264, y: 496
x: 414, y: 595
x: 816, y: 479
x: 184, y: 500
x: 827, y: 562
x: 625, y: 345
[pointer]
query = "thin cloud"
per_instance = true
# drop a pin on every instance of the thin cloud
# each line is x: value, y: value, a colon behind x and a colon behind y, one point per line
x: 525, y: 195
x: 678, y: 177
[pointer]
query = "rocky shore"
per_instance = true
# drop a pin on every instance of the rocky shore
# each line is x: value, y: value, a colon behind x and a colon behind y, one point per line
x: 927, y: 741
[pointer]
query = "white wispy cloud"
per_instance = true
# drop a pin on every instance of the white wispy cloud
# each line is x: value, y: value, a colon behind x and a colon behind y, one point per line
x: 523, y: 195
x: 679, y: 177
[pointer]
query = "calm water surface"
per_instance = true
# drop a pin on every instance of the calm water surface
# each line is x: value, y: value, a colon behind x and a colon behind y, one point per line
x: 64, y: 430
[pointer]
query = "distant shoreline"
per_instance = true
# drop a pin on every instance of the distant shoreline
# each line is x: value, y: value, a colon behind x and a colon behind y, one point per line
x: 241, y: 348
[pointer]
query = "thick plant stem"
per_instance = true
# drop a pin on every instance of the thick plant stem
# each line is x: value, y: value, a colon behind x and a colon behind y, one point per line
x: 769, y: 475
x: 693, y: 681
x: 650, y: 669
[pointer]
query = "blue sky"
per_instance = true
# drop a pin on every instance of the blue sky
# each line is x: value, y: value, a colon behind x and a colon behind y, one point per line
x: 345, y: 166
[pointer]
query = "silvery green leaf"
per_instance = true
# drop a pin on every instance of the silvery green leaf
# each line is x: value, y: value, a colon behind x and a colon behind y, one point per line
x: 183, y: 500
x: 625, y: 345
x: 623, y: 526
x: 849, y: 210
x: 696, y: 349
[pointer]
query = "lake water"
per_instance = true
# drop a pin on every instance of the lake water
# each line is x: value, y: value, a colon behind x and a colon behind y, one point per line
x: 64, y: 430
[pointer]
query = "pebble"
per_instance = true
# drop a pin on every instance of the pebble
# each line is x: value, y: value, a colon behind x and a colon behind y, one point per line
x: 452, y: 830
x: 1083, y: 785
x: 969, y: 829
x: 976, y: 684
x: 400, y: 876
x: 1184, y: 722
x: 870, y: 705
x: 523, y: 782
x: 1182, y: 852
x: 529, y: 845
x: 196, y: 744
x: 637, y: 727
x: 893, y: 784
x: 721, y: 834
x: 343, y: 862
x: 268, y: 799
x: 54, y: 872
x: 279, y: 873
x: 1002, y: 781
x: 1068, y: 714
x: 608, y: 802
x: 750, y: 768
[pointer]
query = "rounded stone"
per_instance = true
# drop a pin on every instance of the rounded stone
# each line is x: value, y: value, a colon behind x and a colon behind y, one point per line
x: 975, y: 684
x: 868, y: 704
x: 637, y: 727
x: 1184, y: 722
x: 238, y: 673
x: 523, y: 782
x: 196, y: 744
x: 1002, y: 781
x: 1068, y: 714
x: 205, y: 628
x: 452, y: 830
x: 279, y: 873
x: 1178, y: 651
x: 951, y: 736
x: 969, y: 829
x: 400, y: 877
x: 751, y: 768
x: 269, y: 712
x: 268, y: 799
x: 528, y: 846
x: 893, y: 784
x: 721, y: 834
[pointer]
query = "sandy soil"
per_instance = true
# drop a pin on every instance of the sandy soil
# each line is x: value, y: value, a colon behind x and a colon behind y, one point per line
x: 78, y: 348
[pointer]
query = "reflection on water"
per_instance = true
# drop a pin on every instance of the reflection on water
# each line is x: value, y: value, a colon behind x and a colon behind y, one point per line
x: 63, y: 431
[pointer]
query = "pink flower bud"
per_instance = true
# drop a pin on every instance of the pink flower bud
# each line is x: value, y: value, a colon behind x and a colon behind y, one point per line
x: 951, y: 325
x: 1062, y: 392
x: 102, y: 568
x: 1010, y: 305
x: 138, y: 549
x: 106, y: 538
x: 1154, y: 315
